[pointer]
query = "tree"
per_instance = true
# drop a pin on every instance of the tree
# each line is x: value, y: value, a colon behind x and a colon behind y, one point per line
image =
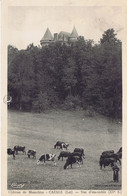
x: 109, y: 37
x: 12, y: 52
x: 77, y: 74
x: 69, y: 77
x: 110, y: 74
x: 20, y: 79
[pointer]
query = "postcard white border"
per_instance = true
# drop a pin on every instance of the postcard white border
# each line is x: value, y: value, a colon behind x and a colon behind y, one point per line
x: 4, y: 38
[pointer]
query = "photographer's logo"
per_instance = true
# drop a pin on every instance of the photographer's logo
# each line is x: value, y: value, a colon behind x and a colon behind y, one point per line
x: 16, y: 185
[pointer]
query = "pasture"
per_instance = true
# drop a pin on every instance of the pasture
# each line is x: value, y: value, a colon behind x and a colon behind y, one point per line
x: 41, y: 131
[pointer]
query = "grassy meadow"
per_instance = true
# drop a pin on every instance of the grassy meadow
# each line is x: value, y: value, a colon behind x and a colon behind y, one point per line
x: 41, y: 131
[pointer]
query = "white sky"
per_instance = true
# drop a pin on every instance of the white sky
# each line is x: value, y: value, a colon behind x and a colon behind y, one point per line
x: 28, y: 24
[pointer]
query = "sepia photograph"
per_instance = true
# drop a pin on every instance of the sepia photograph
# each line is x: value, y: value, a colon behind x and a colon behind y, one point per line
x: 64, y: 98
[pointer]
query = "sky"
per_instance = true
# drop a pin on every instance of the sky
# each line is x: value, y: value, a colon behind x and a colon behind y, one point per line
x: 27, y: 25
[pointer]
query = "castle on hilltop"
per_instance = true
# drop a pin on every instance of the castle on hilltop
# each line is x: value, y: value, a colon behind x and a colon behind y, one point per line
x: 62, y: 37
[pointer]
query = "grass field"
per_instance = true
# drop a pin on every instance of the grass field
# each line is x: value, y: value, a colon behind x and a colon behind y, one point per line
x: 41, y: 131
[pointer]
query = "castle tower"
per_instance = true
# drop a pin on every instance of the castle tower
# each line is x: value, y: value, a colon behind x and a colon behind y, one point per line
x: 74, y: 35
x: 47, y: 38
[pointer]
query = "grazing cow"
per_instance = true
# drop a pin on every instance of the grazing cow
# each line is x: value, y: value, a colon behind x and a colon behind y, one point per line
x: 63, y: 154
x: 64, y: 145
x: 11, y: 152
x: 111, y: 154
x: 68, y: 154
x: 19, y: 148
x: 106, y: 161
x: 80, y: 150
x: 31, y: 153
x: 46, y: 157
x: 61, y: 145
x: 71, y: 160
x: 78, y: 154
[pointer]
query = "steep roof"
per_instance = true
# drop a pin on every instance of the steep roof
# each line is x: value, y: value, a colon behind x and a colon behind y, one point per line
x: 63, y: 33
x: 74, y: 33
x: 47, y: 36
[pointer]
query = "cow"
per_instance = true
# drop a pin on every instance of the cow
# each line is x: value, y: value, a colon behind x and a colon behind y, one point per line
x: 46, y: 157
x: 31, y: 153
x: 68, y: 154
x: 11, y: 152
x: 78, y: 154
x: 80, y: 150
x: 63, y: 154
x: 71, y: 160
x: 111, y: 154
x: 106, y: 161
x: 19, y: 148
x: 61, y: 145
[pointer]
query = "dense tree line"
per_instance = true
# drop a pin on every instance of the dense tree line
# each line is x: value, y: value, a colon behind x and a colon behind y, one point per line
x: 82, y: 74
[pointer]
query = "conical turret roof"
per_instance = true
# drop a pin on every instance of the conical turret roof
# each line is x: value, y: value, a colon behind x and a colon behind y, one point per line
x: 74, y: 33
x: 47, y: 36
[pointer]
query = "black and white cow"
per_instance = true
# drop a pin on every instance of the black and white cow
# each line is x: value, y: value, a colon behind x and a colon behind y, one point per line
x: 71, y: 160
x: 11, y: 152
x: 46, y: 157
x: 31, y: 153
x: 19, y: 148
x: 80, y: 150
x: 61, y: 145
x: 63, y: 154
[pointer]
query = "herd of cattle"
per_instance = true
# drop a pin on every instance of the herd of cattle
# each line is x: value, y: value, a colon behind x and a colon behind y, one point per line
x: 107, y: 157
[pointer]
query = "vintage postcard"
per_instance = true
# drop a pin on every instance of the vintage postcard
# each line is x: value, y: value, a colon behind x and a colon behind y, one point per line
x: 63, y: 91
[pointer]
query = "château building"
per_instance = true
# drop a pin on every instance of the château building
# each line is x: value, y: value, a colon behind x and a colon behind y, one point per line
x: 62, y: 37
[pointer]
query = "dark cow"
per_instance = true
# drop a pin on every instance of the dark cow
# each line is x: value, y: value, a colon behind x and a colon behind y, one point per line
x: 106, y: 161
x: 78, y: 154
x: 68, y: 154
x: 111, y: 154
x: 61, y: 145
x: 11, y: 152
x: 63, y: 154
x: 71, y: 160
x: 19, y: 148
x: 46, y: 157
x: 31, y: 153
x: 80, y: 150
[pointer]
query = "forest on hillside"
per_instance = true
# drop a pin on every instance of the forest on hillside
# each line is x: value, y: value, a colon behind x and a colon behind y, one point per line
x: 81, y: 75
